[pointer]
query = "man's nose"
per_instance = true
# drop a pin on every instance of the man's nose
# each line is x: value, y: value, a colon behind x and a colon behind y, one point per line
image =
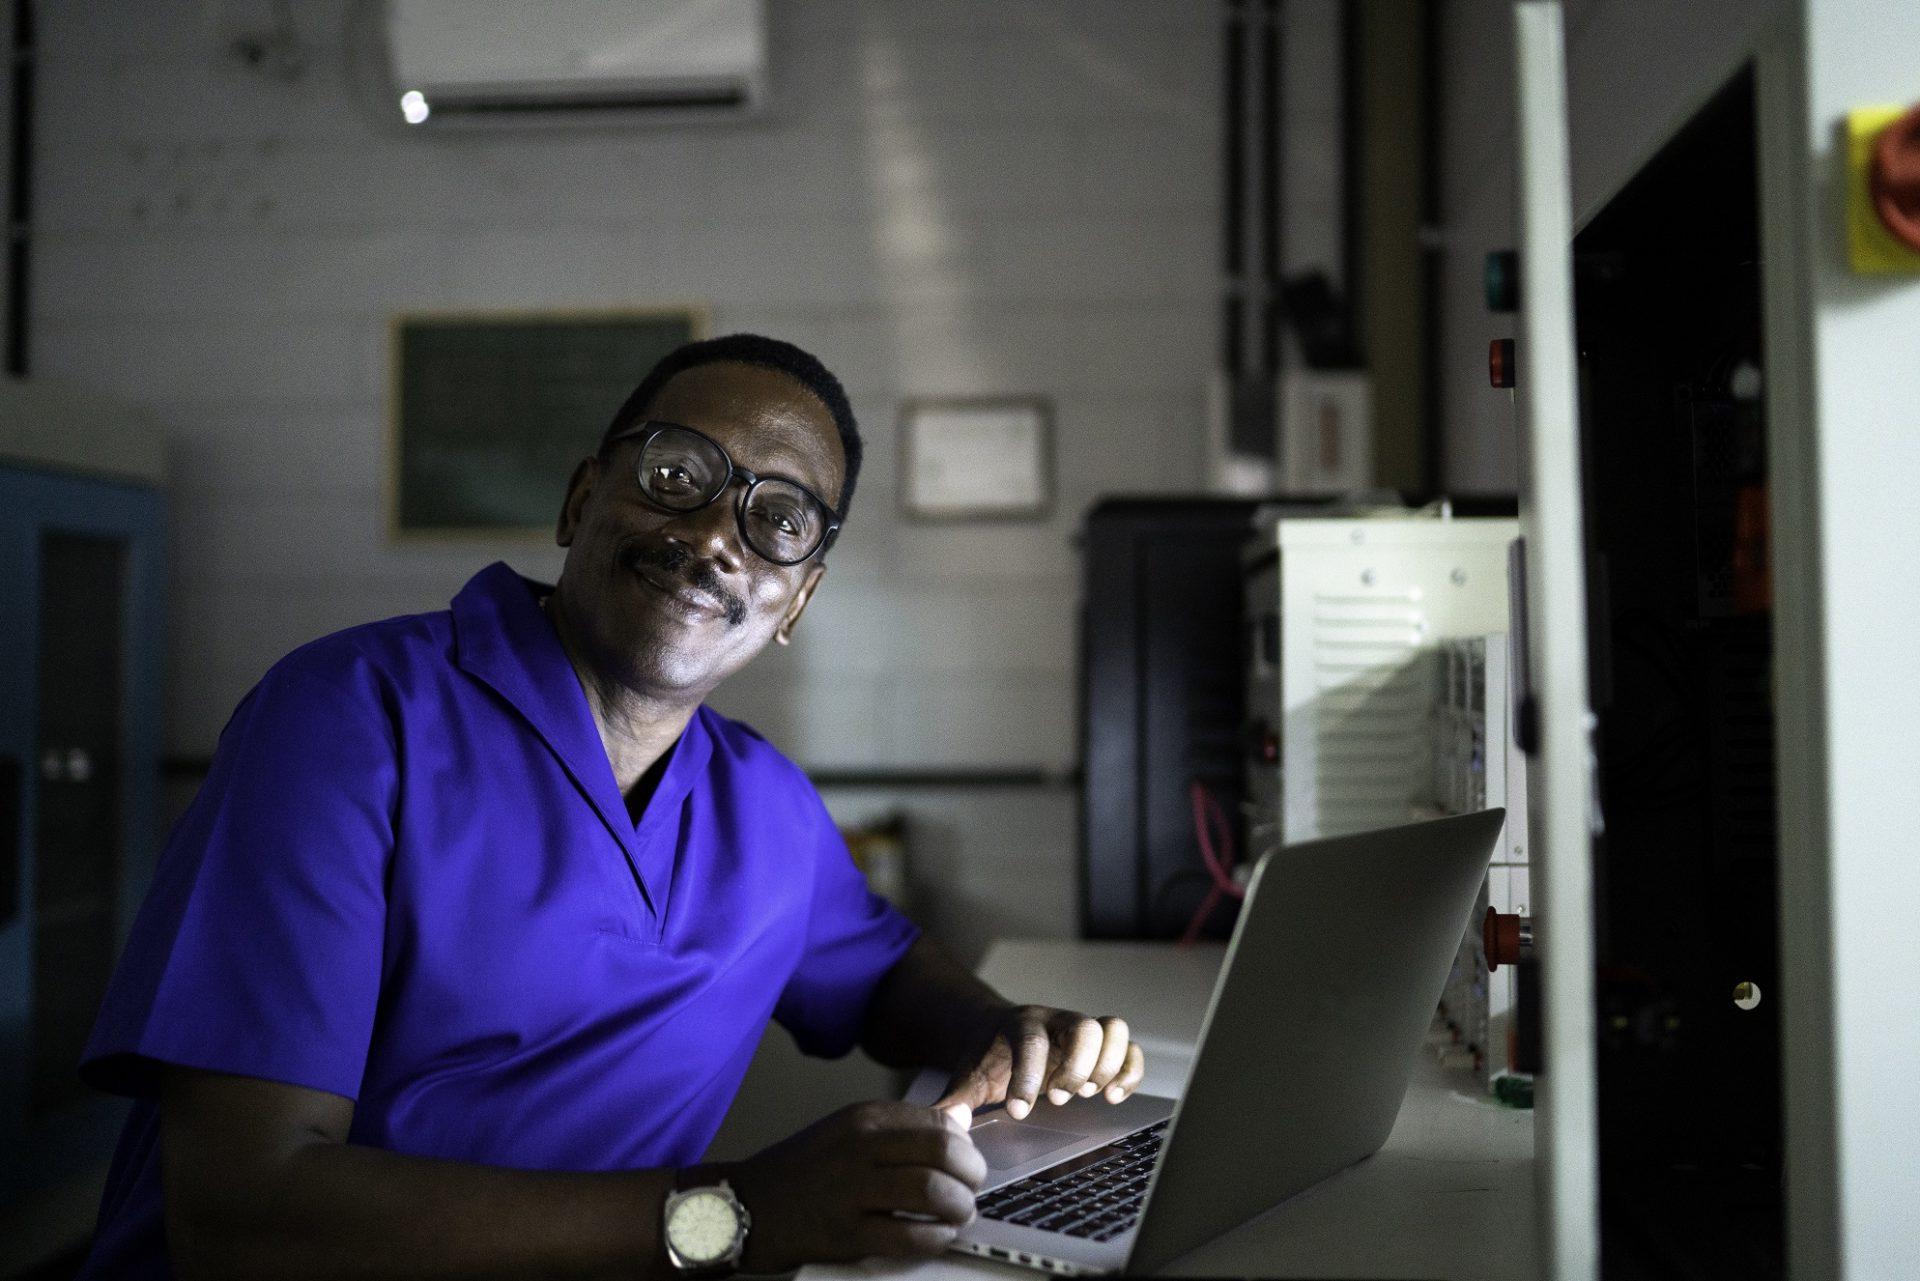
x: 714, y: 530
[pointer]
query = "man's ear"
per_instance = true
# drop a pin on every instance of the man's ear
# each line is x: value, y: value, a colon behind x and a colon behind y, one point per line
x: 783, y: 634
x: 576, y: 501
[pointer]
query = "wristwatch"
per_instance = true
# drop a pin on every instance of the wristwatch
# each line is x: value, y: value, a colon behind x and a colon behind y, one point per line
x: 705, y: 1227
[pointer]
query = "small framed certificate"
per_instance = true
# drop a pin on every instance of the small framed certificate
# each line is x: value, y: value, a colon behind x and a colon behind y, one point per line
x: 976, y: 458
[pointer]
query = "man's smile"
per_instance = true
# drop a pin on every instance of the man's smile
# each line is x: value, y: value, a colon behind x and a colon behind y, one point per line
x: 698, y: 595
x: 685, y: 599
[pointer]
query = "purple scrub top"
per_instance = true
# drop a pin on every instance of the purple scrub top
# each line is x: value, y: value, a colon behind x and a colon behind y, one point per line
x: 411, y: 880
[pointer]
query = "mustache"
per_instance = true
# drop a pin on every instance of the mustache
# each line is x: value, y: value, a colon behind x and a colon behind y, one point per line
x: 676, y: 561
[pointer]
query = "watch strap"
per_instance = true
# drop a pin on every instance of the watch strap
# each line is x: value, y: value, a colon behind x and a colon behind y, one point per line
x: 689, y: 1177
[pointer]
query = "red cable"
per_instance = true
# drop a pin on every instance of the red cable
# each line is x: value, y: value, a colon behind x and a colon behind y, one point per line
x: 1209, y: 821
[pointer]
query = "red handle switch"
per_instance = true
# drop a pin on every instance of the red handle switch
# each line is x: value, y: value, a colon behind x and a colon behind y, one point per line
x: 1506, y: 938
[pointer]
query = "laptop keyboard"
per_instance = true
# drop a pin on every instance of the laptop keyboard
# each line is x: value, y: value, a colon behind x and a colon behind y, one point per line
x: 1097, y: 1201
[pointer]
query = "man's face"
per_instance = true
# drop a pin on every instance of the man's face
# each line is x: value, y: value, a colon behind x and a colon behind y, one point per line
x: 670, y: 604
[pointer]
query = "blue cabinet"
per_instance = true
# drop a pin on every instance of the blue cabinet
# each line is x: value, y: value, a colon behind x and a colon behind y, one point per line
x: 81, y: 635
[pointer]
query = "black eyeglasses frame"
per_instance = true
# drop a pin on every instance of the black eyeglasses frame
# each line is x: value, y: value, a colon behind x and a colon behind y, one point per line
x: 647, y: 429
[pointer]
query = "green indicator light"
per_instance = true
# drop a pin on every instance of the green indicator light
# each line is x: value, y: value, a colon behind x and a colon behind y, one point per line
x: 1503, y: 280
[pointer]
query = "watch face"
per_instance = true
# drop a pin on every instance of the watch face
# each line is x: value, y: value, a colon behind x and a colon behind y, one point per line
x: 703, y: 1227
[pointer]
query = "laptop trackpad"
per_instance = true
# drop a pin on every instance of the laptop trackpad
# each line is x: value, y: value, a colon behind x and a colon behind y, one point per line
x: 1007, y: 1143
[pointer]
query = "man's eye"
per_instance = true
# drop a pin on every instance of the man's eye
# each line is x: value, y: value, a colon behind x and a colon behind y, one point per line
x: 781, y: 522
x: 676, y: 479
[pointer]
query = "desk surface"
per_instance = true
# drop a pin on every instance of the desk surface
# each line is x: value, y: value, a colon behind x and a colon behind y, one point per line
x: 1450, y: 1195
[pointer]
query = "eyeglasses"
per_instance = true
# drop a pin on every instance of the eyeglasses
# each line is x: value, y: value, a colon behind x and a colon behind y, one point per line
x: 682, y: 470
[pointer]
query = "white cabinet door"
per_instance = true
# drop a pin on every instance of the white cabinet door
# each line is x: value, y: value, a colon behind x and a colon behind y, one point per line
x: 1560, y: 774
x: 1843, y: 454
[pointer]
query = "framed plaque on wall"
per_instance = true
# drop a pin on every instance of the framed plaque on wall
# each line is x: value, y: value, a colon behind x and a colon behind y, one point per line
x: 976, y: 458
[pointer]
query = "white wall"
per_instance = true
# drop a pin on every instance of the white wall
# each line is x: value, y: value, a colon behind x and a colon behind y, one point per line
x: 945, y: 198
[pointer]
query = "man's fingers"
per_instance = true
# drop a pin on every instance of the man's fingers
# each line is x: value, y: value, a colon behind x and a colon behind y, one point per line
x: 886, y: 1234
x: 1081, y: 1052
x: 971, y: 1089
x: 890, y: 1114
x: 946, y: 1149
x: 1030, y: 1054
x: 1129, y: 1079
x: 1113, y: 1056
x: 915, y: 1189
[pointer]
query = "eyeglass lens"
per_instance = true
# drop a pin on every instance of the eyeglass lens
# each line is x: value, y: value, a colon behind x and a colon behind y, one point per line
x: 684, y: 472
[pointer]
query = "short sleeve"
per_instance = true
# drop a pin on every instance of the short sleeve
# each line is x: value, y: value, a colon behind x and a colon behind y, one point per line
x: 853, y: 938
x: 258, y: 950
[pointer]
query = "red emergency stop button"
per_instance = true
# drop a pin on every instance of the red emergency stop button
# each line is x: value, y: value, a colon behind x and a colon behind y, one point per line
x: 1895, y: 178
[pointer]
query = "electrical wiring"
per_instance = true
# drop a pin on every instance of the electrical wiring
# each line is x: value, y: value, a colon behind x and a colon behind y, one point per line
x: 1215, y: 834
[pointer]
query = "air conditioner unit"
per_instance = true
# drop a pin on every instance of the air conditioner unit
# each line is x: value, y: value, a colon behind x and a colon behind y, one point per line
x: 577, y: 61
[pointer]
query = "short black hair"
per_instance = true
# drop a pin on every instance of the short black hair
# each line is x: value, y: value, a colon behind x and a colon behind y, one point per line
x: 766, y: 353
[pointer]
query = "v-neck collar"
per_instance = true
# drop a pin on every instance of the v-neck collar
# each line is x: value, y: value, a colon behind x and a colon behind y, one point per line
x: 503, y: 638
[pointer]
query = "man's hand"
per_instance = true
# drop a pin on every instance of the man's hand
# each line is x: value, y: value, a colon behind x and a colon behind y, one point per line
x: 838, y: 1189
x: 1026, y: 1048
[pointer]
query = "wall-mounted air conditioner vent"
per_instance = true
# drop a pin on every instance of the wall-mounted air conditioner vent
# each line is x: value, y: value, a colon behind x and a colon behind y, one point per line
x: 577, y: 61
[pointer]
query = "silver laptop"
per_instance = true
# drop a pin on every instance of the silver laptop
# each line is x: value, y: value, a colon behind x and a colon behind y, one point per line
x: 1329, y: 984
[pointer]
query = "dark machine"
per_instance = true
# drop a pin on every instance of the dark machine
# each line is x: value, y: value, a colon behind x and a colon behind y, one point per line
x: 1668, y: 313
x: 1161, y: 705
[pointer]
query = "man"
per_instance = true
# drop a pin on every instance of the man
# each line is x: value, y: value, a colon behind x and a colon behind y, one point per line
x: 457, y: 960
